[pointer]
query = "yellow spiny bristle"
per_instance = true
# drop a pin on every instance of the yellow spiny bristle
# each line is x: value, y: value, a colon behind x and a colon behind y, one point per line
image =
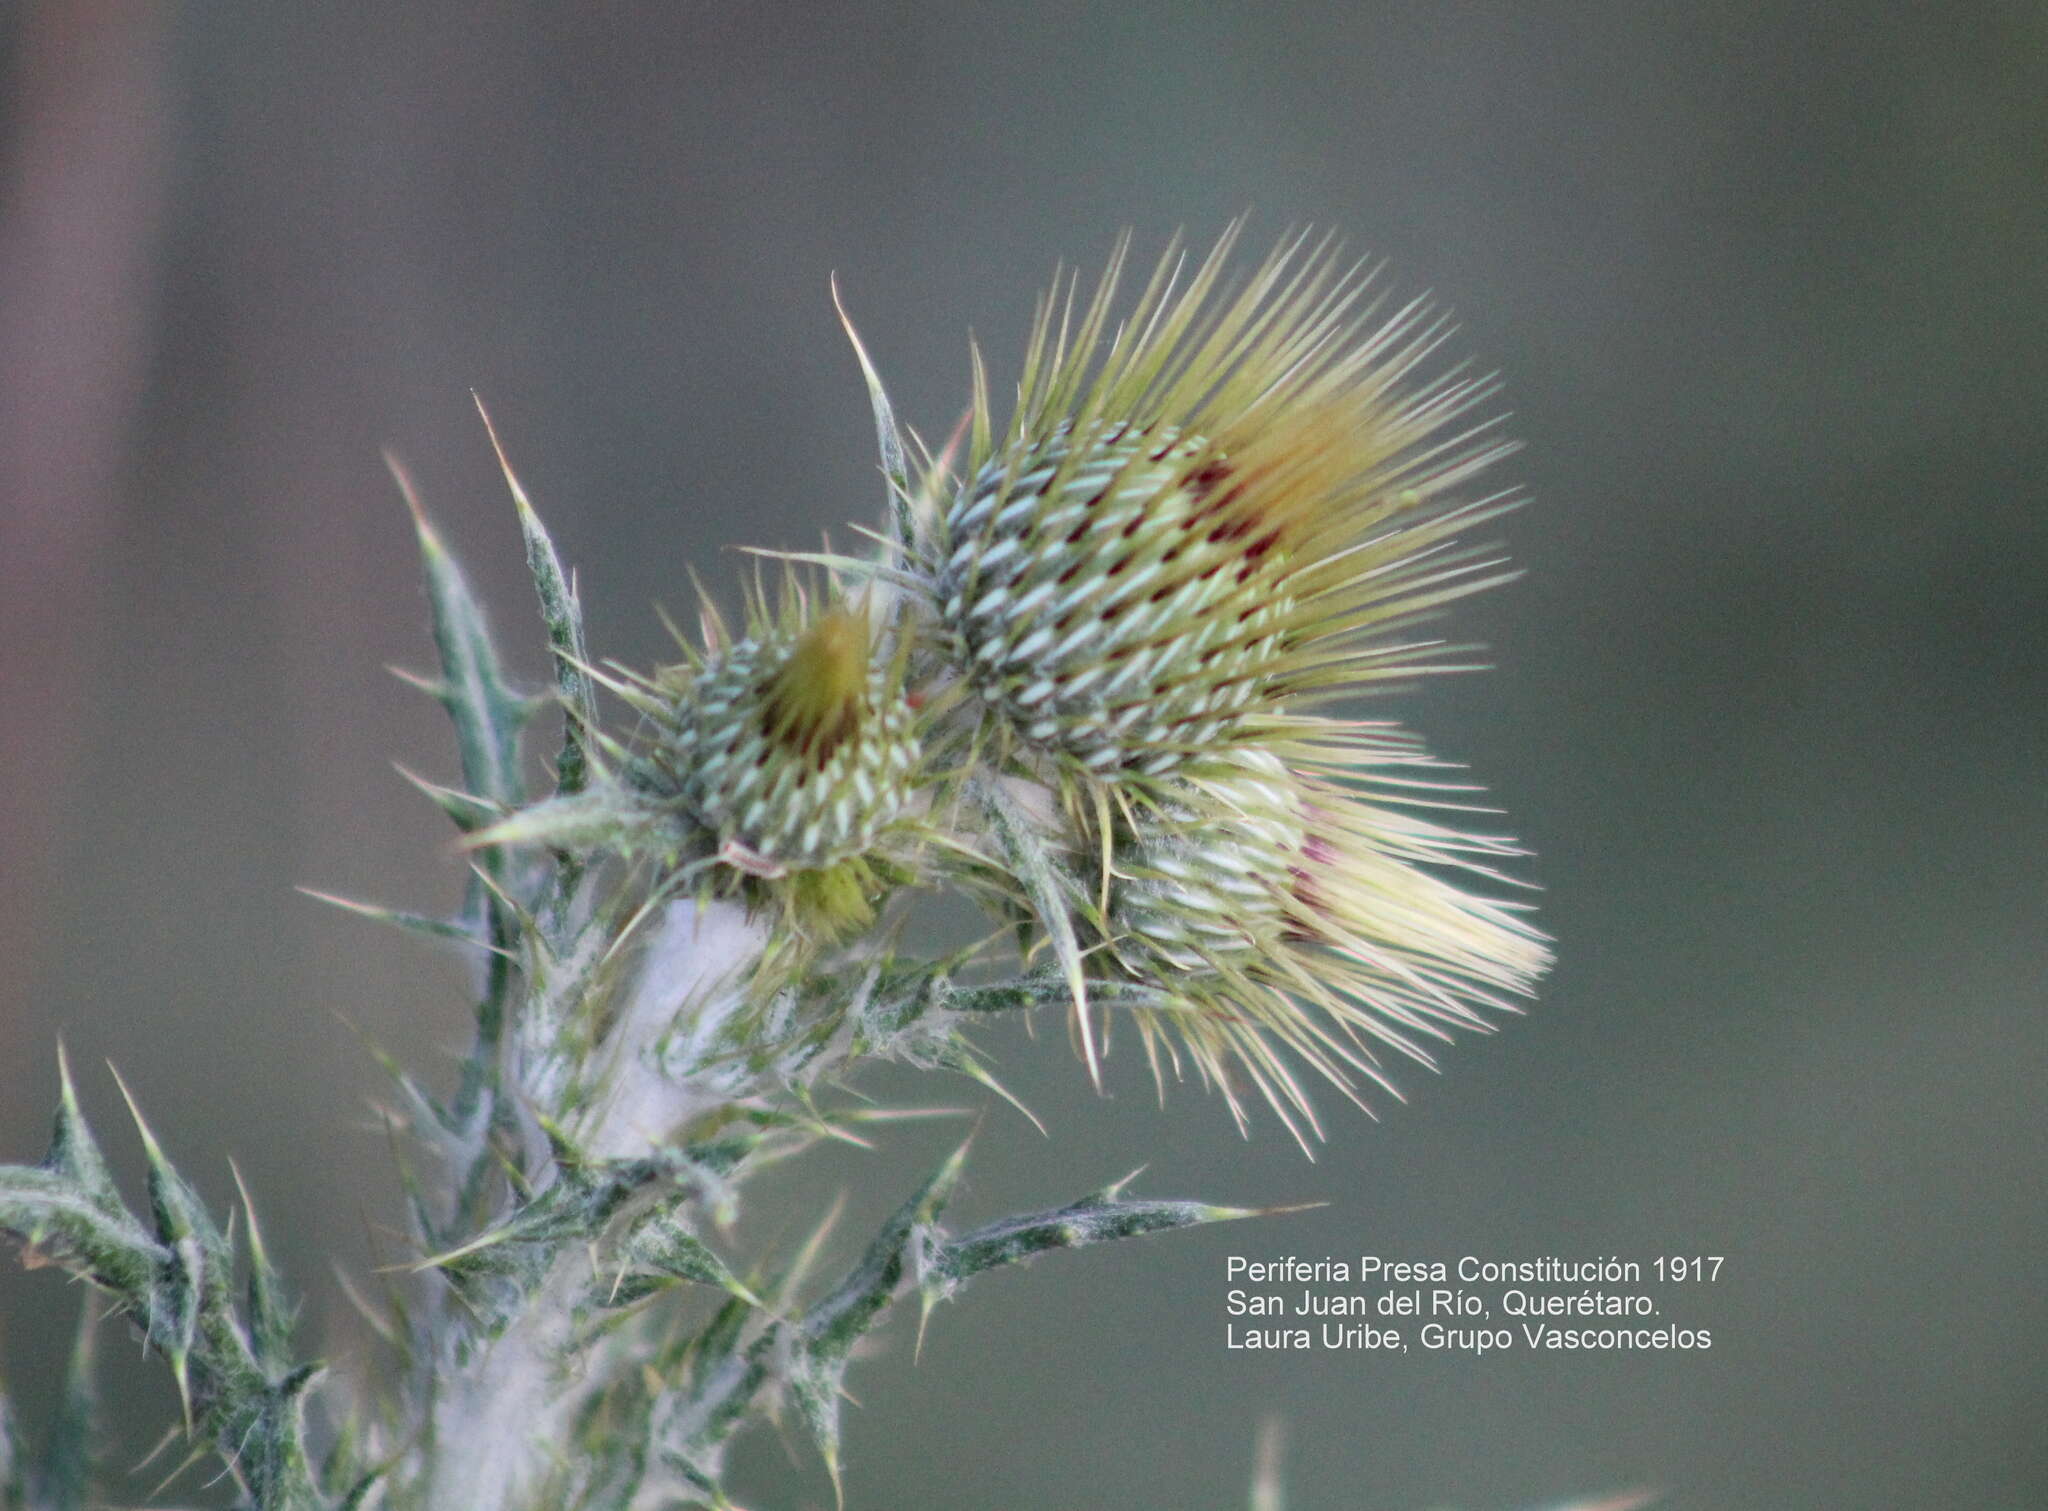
x: 812, y: 702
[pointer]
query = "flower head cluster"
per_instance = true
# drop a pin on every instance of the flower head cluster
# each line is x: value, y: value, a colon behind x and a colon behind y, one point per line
x: 1203, y: 522
x: 1096, y: 668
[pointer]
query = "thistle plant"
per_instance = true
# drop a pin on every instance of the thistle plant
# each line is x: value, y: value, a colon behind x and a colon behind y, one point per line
x: 1088, y: 676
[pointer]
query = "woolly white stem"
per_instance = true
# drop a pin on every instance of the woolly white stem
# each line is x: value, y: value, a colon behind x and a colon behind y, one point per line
x: 500, y: 1419
x: 501, y: 1416
x: 691, y: 980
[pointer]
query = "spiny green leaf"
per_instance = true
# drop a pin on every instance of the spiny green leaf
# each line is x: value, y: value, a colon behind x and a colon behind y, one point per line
x: 496, y: 1269
x: 608, y: 817
x: 832, y: 1326
x: 179, y: 1284
x: 488, y: 718
x: 1097, y: 1218
x: 465, y: 810
x: 181, y: 1217
x: 419, y: 1109
x: 412, y: 923
x: 270, y: 1313
x: 562, y: 612
x: 1036, y: 990
x: 487, y: 714
x: 560, y: 1214
x: 1048, y: 989
x: 172, y: 1315
x: 723, y: 1379
x: 70, y: 1209
x: 497, y: 1266
x: 975, y: 1071
x: 66, y: 1226
x: 836, y: 1322
x: 895, y: 464
x: 73, y: 1152
x: 660, y: 1250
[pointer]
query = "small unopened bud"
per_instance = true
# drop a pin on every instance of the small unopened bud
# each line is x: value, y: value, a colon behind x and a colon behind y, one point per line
x: 794, y: 748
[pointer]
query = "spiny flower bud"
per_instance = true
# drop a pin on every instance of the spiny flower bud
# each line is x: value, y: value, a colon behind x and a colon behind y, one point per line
x: 792, y: 747
x: 1282, y: 908
x: 1192, y: 525
x: 1208, y: 879
x: 1110, y: 617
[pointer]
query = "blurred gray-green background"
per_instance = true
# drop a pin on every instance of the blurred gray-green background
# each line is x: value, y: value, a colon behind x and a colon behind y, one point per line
x: 1767, y: 284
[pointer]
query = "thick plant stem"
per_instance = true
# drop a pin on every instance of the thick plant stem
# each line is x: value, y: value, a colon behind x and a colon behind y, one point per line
x: 654, y: 1073
x: 502, y: 1414
x: 495, y: 1418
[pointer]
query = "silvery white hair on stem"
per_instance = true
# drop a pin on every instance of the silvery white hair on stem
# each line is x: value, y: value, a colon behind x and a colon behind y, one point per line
x: 1091, y: 674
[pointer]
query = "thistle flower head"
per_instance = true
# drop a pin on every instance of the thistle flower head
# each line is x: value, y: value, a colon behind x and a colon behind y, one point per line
x: 1195, y: 522
x: 1294, y: 908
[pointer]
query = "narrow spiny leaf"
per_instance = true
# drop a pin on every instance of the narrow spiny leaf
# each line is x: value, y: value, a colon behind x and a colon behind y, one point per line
x: 63, y: 1225
x: 488, y: 717
x: 660, y: 1251
x: 486, y: 713
x: 413, y: 923
x: 832, y: 1326
x: 270, y: 1312
x: 1099, y: 1218
x: 895, y: 464
x: 465, y: 810
x: 182, y: 1219
x: 562, y: 612
x: 73, y: 1152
